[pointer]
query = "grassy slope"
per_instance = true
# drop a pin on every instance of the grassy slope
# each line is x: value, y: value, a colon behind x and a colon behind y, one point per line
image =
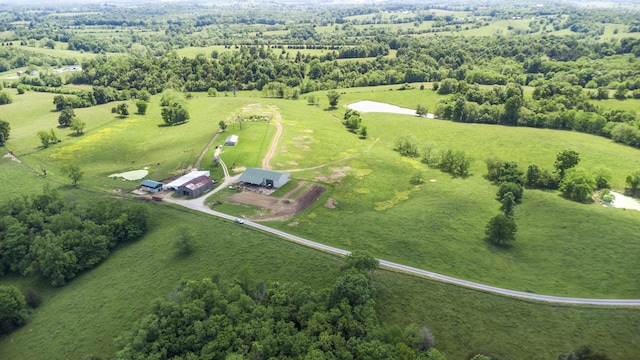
x: 84, y: 316
x: 438, y: 226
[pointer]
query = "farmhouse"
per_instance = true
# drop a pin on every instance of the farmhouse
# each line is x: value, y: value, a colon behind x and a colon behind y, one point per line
x: 232, y: 140
x: 264, y: 177
x: 151, y: 186
x: 196, y: 187
x: 175, y: 184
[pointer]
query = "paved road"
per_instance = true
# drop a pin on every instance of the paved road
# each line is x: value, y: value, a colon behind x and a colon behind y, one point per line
x: 199, y: 205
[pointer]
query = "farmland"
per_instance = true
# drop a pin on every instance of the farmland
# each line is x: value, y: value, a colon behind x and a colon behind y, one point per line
x: 573, y: 80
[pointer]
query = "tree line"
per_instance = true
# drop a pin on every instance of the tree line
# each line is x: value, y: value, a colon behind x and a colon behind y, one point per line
x: 216, y: 320
x: 554, y: 105
x: 47, y: 236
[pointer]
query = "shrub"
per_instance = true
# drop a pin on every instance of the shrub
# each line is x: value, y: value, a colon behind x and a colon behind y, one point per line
x: 578, y: 186
x: 516, y: 189
x: 32, y: 298
x: 407, y: 145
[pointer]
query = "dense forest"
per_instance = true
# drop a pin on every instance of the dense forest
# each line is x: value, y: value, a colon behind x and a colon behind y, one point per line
x: 51, y: 237
x: 212, y: 320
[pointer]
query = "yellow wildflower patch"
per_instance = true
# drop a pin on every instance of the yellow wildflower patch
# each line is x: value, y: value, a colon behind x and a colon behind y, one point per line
x: 85, y: 143
x: 388, y: 204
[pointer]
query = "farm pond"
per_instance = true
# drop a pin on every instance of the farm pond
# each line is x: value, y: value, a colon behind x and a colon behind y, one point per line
x: 368, y: 106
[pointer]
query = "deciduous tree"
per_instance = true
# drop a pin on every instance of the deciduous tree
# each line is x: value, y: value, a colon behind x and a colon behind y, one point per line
x: 333, y: 97
x: 516, y: 190
x: 13, y: 309
x: 142, y: 106
x: 123, y: 109
x: 508, y: 205
x: 77, y: 125
x: 174, y: 114
x: 407, y: 145
x: 565, y: 160
x: 73, y: 172
x: 421, y: 110
x: 64, y: 119
x: 360, y: 260
x: 5, y: 130
x: 501, y: 230
x: 5, y: 98
x: 578, y: 186
x: 633, y: 180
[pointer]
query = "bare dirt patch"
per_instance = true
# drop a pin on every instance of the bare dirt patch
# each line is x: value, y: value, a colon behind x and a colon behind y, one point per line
x: 338, y: 173
x: 13, y: 158
x: 279, y: 208
x: 331, y: 203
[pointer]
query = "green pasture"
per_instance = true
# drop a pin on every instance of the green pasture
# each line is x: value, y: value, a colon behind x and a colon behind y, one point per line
x: 5, y: 35
x: 562, y: 248
x: 273, y: 33
x: 112, y: 144
x: 437, y: 226
x: 609, y: 32
x: 440, y: 225
x: 384, y: 16
x: 391, y: 94
x: 501, y: 27
x: 59, y: 51
x: 193, y: 51
x: 18, y: 175
x: 83, y: 317
x: 614, y: 104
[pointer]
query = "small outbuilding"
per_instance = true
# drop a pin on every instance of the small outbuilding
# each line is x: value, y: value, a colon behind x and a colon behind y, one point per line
x: 195, y: 187
x: 232, y: 140
x: 262, y: 177
x: 151, y: 186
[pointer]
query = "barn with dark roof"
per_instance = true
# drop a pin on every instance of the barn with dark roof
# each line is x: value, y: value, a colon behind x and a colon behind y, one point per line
x: 195, y: 187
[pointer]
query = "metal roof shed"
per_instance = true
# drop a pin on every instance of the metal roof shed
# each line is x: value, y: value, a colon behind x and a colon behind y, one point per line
x: 264, y: 177
x: 232, y: 140
x: 175, y: 184
x: 152, y: 186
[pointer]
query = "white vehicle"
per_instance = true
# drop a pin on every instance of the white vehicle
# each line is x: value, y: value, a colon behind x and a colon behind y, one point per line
x: 239, y: 221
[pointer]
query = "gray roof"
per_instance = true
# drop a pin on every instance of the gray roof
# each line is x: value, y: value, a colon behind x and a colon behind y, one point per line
x: 256, y: 176
x: 151, y: 183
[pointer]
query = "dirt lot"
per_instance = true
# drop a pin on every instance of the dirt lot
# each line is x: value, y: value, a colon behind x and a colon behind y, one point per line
x: 280, y: 208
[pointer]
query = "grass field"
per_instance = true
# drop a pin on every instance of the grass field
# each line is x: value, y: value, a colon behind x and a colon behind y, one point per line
x: 440, y: 225
x: 85, y: 316
x: 437, y: 226
x: 60, y: 51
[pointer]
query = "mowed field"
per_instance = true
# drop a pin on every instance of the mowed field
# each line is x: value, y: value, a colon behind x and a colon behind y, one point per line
x: 562, y: 247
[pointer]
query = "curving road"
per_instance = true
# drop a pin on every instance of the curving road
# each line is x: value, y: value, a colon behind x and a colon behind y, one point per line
x: 199, y: 205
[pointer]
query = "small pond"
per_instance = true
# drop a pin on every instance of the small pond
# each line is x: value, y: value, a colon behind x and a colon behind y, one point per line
x: 374, y: 106
x: 624, y: 202
x: 131, y: 175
